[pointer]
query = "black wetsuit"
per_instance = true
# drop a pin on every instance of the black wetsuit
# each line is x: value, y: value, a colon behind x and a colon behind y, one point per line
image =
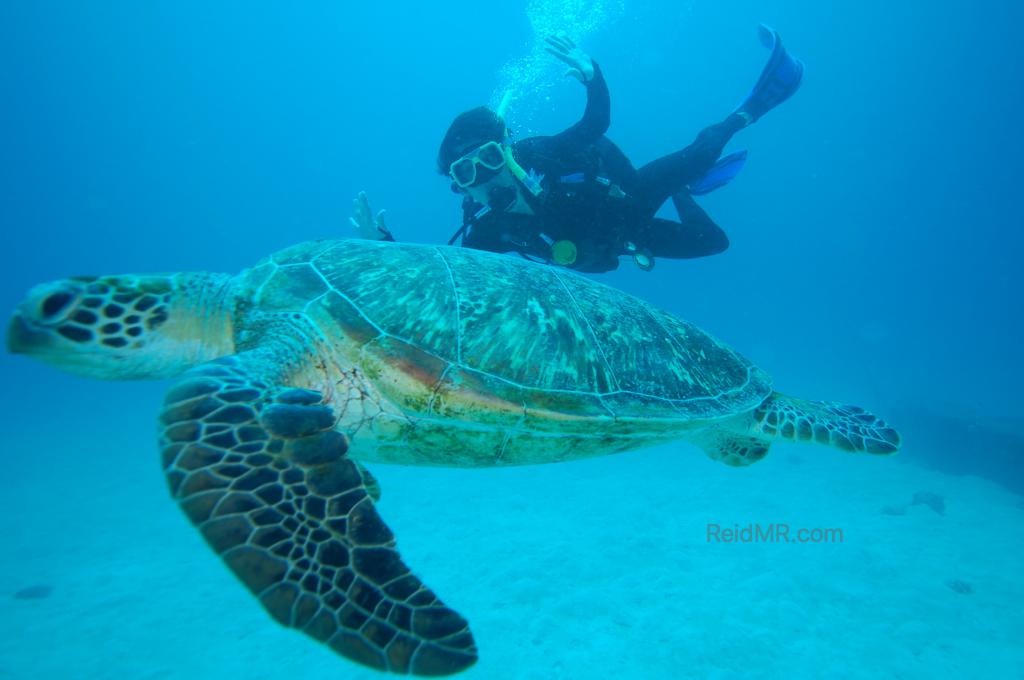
x: 594, y: 197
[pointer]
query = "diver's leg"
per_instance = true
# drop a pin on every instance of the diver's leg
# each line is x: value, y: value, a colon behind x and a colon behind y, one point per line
x: 683, y: 240
x: 705, y: 237
x: 779, y: 80
x: 668, y: 175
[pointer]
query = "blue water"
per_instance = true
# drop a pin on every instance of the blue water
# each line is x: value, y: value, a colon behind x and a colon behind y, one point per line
x: 875, y: 259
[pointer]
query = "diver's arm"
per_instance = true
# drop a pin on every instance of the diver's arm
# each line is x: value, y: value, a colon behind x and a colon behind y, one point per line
x: 366, y: 224
x: 506, y: 232
x: 596, y: 117
x: 486, y: 235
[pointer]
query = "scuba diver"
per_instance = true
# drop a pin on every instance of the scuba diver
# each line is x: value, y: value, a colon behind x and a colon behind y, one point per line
x: 581, y: 204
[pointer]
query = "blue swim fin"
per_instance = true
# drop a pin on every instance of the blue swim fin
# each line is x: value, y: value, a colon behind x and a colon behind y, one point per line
x: 779, y: 80
x: 720, y: 174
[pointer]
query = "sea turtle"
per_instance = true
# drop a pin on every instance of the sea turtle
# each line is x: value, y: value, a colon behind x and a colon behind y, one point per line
x: 334, y: 352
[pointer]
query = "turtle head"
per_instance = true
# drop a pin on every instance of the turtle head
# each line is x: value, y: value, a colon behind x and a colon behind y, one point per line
x: 125, y: 327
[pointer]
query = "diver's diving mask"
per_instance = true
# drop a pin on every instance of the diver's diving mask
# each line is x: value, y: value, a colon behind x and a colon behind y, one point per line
x: 463, y: 170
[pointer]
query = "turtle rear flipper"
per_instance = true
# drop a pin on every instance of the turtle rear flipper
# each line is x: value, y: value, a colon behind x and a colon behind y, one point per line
x: 742, y: 441
x: 845, y: 427
x: 259, y: 469
x: 730, y: 448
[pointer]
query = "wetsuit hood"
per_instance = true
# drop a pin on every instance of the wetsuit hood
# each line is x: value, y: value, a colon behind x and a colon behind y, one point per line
x: 469, y: 130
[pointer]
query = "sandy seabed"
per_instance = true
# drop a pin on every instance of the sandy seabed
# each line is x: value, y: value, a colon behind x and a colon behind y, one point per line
x: 594, y: 569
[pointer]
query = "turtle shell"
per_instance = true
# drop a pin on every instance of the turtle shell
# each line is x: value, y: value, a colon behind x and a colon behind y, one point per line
x: 528, y: 334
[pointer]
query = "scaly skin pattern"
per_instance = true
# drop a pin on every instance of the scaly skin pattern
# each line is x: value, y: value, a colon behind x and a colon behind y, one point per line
x: 264, y: 476
x: 439, y: 356
x: 342, y: 350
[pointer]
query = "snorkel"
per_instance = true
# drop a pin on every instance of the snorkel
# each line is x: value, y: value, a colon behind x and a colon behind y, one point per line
x: 530, y: 180
x: 506, y: 99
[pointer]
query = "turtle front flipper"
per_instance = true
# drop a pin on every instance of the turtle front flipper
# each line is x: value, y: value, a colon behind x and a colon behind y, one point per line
x: 259, y: 469
x: 369, y: 481
x: 845, y: 427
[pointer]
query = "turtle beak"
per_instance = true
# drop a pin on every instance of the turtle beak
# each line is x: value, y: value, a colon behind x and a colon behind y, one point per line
x: 21, y: 337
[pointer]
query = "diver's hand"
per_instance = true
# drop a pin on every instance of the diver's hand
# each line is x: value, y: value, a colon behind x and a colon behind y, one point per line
x: 369, y: 226
x: 562, y: 47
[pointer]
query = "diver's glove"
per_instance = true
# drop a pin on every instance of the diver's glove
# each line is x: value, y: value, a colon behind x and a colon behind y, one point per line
x: 580, y: 63
x: 368, y: 225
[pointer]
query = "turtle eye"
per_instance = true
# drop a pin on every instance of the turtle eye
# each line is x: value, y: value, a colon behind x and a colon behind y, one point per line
x: 55, y: 304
